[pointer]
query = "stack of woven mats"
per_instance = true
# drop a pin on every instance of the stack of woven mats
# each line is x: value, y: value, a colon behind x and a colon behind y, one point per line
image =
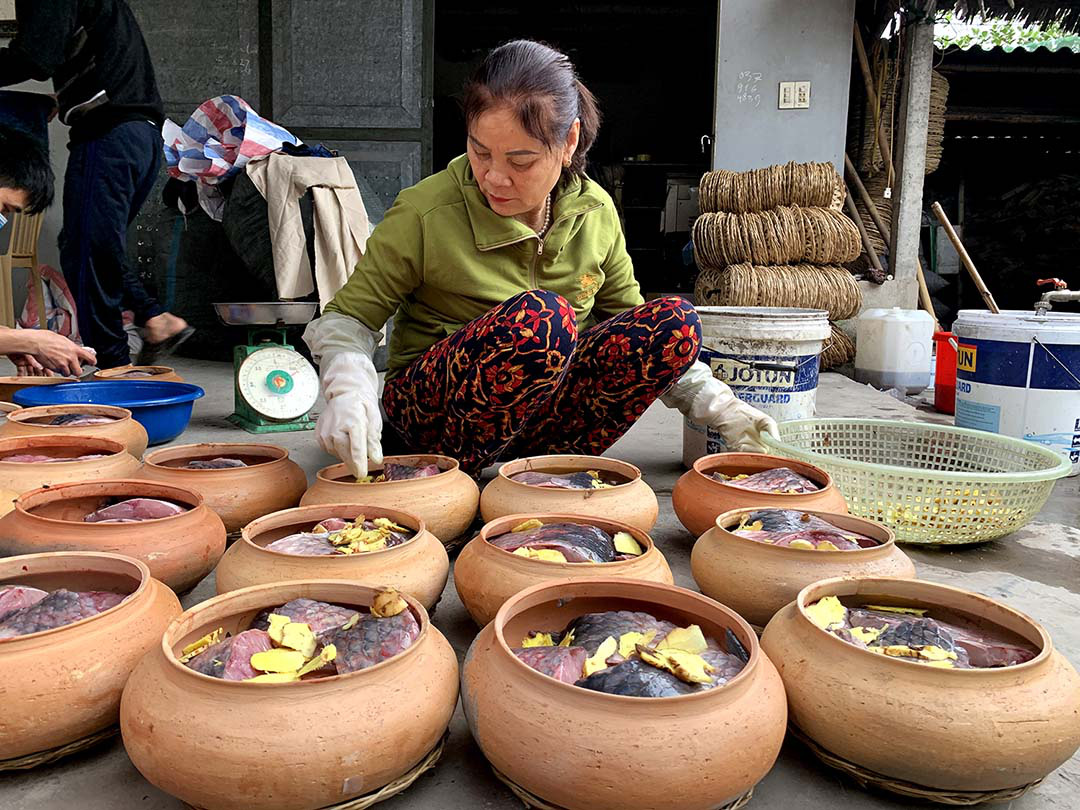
x: 777, y: 237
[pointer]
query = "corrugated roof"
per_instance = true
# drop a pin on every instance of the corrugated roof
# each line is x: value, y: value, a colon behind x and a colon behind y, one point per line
x: 1053, y: 45
x: 1033, y: 11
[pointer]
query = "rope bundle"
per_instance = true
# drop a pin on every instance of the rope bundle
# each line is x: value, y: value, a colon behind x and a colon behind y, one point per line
x: 839, y: 349
x: 783, y: 235
x: 803, y: 184
x: 870, y: 160
x: 935, y: 126
x: 809, y: 286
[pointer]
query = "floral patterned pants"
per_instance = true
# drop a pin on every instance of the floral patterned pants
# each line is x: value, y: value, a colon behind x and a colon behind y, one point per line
x: 520, y: 380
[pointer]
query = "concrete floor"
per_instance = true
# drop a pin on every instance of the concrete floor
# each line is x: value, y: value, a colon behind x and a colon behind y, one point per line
x: 1036, y: 570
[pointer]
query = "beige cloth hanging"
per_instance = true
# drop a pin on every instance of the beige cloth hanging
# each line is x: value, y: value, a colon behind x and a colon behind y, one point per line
x: 341, y: 221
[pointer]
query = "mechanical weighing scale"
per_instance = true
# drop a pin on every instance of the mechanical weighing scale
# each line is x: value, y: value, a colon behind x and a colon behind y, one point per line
x: 274, y: 386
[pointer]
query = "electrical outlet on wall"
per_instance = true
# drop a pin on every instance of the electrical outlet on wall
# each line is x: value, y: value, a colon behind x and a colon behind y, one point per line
x: 787, y: 96
x: 802, y: 95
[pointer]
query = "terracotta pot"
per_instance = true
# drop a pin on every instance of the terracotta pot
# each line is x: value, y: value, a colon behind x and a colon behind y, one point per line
x: 220, y: 745
x: 271, y: 482
x: 948, y: 729
x: 159, y: 374
x: 419, y: 566
x: 124, y: 429
x: 486, y: 576
x: 698, y: 499
x: 585, y: 750
x: 18, y: 477
x: 179, y: 550
x: 757, y: 579
x: 64, y: 684
x: 9, y: 385
x: 633, y: 502
x: 447, y: 502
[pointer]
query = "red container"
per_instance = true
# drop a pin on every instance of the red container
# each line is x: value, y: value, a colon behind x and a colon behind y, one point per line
x: 945, y: 373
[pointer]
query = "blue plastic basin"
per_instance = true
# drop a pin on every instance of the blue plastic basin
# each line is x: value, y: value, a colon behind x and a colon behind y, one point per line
x: 163, y: 408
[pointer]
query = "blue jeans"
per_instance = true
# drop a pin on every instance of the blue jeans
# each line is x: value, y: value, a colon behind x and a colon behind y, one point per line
x: 107, y: 181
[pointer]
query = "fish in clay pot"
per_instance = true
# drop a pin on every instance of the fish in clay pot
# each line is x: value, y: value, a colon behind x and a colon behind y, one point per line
x: 516, y: 551
x: 345, y: 656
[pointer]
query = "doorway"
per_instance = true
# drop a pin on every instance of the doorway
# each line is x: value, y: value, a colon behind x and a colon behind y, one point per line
x: 652, y: 69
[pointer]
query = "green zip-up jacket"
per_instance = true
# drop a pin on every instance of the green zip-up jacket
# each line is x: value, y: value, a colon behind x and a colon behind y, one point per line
x: 441, y: 257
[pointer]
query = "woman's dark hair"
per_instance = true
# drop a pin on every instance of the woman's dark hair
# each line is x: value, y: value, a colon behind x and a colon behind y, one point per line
x: 24, y: 165
x: 541, y: 86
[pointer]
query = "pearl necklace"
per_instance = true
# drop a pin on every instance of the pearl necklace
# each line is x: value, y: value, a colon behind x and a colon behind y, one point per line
x: 547, y: 217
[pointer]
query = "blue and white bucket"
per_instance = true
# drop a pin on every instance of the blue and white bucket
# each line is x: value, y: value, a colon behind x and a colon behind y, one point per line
x: 1018, y: 374
x: 769, y: 357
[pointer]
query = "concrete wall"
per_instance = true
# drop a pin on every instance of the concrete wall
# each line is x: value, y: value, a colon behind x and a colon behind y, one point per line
x: 764, y: 42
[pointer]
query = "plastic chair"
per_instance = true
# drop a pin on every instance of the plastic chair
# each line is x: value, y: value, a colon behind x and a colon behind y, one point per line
x: 22, y: 251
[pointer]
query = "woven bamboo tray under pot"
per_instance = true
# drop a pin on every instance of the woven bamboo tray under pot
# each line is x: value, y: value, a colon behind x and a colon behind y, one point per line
x: 388, y: 791
x: 534, y: 801
x: 869, y: 780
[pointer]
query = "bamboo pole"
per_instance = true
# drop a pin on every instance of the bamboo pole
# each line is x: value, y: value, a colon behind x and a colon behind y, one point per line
x: 877, y: 271
x: 872, y: 97
x: 991, y: 304
x: 883, y: 229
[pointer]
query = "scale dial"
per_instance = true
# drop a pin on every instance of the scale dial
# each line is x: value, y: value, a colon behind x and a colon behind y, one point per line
x: 278, y: 383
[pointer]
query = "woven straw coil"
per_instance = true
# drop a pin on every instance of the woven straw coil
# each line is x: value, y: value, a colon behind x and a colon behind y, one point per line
x: 803, y: 184
x: 808, y: 286
x: 783, y: 235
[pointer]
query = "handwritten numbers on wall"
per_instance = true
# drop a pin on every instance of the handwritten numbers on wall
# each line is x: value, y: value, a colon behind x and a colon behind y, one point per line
x: 747, y: 88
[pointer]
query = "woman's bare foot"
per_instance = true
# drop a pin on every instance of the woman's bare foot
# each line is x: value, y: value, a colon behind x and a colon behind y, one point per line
x: 162, y: 327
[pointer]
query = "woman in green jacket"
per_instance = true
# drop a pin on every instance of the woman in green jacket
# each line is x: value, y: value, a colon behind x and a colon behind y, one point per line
x: 519, y: 328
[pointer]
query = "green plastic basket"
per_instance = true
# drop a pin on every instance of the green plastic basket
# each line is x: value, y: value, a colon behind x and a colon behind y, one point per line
x: 928, y: 483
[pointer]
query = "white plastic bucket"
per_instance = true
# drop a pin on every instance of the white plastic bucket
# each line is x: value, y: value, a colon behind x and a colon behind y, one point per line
x: 1018, y: 374
x: 769, y: 357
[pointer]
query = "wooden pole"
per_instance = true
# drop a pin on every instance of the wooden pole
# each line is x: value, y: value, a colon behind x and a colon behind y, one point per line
x: 872, y: 98
x: 883, y: 229
x: 991, y: 304
x: 877, y: 271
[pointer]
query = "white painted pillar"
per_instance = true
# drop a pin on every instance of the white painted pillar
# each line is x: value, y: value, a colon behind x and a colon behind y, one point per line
x: 910, y: 153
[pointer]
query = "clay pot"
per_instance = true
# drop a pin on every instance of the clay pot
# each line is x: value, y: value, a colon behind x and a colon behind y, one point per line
x: 757, y: 579
x: 219, y: 745
x: 159, y: 374
x: 180, y: 550
x: 698, y: 499
x: 419, y: 566
x: 947, y: 729
x: 446, y: 502
x: 271, y: 481
x: 584, y: 750
x: 124, y: 429
x: 8, y: 407
x: 64, y: 684
x: 486, y: 576
x: 21, y: 477
x: 9, y: 385
x: 633, y: 502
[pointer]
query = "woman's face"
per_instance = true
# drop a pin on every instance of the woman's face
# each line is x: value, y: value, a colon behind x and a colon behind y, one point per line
x: 515, y: 171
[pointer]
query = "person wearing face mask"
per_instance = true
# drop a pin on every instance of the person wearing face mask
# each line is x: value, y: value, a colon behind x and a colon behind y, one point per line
x: 519, y: 327
x: 26, y: 186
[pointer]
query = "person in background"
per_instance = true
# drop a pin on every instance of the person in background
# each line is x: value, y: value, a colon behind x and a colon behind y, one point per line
x: 519, y: 328
x: 26, y: 186
x: 95, y: 55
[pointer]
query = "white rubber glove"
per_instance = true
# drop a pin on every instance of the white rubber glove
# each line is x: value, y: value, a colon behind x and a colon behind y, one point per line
x: 703, y: 399
x: 350, y: 427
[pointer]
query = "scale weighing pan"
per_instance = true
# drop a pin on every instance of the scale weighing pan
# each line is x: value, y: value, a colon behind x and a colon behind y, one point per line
x: 267, y: 313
